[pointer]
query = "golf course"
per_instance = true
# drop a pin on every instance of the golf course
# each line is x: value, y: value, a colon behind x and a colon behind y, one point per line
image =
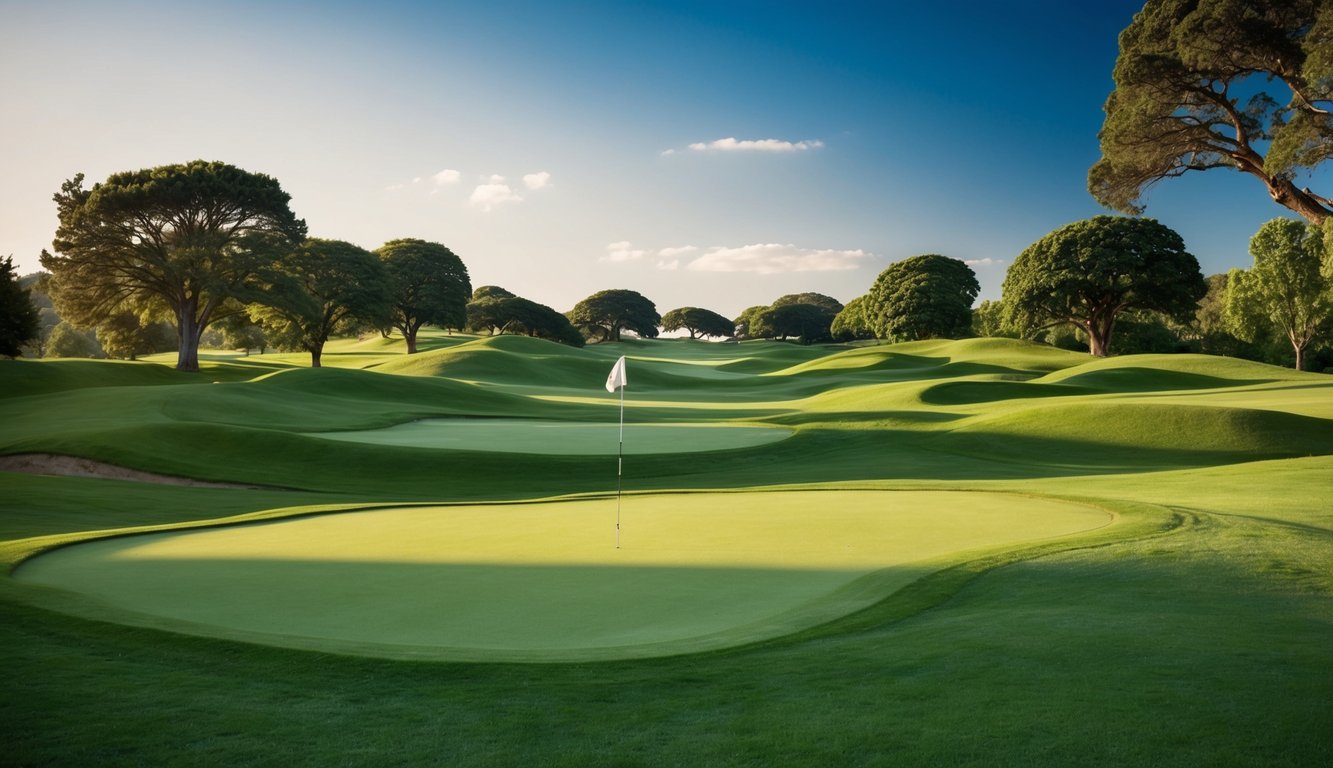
x: 973, y: 552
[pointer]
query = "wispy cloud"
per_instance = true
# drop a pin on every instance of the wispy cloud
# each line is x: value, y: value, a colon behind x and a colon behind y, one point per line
x: 537, y: 180
x: 986, y: 262
x: 447, y: 176
x: 493, y: 194
x: 732, y: 144
x: 621, y: 252
x: 683, y: 250
x: 774, y: 258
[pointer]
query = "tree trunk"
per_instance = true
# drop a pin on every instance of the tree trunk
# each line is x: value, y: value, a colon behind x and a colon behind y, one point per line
x: 410, y: 336
x: 1099, y: 335
x: 315, y: 353
x: 1299, y: 347
x: 188, y: 331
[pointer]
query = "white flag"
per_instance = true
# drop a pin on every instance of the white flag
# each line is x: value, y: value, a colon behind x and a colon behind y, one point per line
x: 616, y: 378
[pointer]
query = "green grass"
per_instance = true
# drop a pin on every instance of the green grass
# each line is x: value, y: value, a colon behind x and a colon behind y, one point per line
x: 541, y: 581
x: 1194, y: 631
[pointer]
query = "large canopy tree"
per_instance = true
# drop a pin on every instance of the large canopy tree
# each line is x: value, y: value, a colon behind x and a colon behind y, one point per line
x: 19, y: 321
x: 430, y: 285
x: 1200, y: 84
x: 193, y: 240
x: 924, y: 297
x: 1088, y: 272
x: 810, y: 323
x: 699, y: 322
x: 606, y: 313
x: 322, y: 287
x: 1290, y: 287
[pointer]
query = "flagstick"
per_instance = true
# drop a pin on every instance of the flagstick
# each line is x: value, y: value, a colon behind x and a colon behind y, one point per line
x: 620, y: 462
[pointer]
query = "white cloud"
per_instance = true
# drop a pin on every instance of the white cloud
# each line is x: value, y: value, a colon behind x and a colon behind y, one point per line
x: 622, y: 252
x: 493, y: 194
x: 447, y: 176
x: 416, y: 180
x: 537, y: 180
x: 394, y: 187
x: 668, y: 152
x: 773, y: 258
x: 669, y: 265
x: 986, y: 262
x: 668, y: 253
x: 732, y: 144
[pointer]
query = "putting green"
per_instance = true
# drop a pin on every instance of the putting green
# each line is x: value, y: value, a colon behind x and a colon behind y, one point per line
x: 543, y: 581
x: 562, y: 437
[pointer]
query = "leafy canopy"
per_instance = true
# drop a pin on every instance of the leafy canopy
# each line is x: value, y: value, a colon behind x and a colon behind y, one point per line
x: 924, y: 297
x: 605, y: 314
x: 429, y: 284
x: 1289, y: 288
x: 19, y: 321
x: 190, y: 241
x: 699, y: 322
x: 1088, y: 272
x: 1203, y: 84
x: 322, y: 287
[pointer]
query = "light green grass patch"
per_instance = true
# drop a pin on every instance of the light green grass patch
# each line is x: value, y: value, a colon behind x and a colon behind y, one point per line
x: 544, y: 582
x: 563, y: 438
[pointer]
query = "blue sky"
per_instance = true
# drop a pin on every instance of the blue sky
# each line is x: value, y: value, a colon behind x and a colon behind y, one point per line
x: 706, y: 154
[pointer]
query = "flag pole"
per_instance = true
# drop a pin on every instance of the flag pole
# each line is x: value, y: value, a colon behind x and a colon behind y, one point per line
x: 620, y: 462
x: 618, y: 379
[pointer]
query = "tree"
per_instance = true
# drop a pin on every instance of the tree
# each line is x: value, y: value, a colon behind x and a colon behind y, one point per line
x: 828, y: 303
x: 69, y: 341
x: 850, y: 324
x: 126, y: 335
x: 699, y: 322
x: 1088, y: 272
x: 429, y: 284
x: 744, y: 322
x: 923, y: 297
x: 244, y: 336
x: 1195, y: 89
x: 491, y: 292
x: 197, y: 239
x: 605, y: 314
x: 19, y: 320
x: 1290, y: 286
x: 322, y: 287
x: 991, y: 319
x: 809, y: 322
x: 514, y: 314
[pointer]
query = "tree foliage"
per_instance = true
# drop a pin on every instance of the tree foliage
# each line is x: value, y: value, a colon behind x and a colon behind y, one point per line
x: 68, y: 341
x: 1203, y: 84
x: 991, y: 319
x: 699, y: 322
x: 744, y: 322
x: 1088, y: 272
x: 491, y: 292
x: 924, y: 297
x: 193, y: 240
x: 323, y: 286
x: 1290, y: 286
x: 851, y: 324
x: 500, y: 313
x: 19, y: 320
x: 125, y: 336
x: 430, y: 285
x: 828, y: 303
x: 605, y: 314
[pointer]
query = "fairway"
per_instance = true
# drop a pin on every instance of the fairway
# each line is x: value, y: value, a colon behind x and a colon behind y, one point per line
x: 561, y: 437
x: 544, y: 581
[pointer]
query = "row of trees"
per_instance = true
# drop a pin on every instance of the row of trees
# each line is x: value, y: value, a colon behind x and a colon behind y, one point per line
x: 204, y: 243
